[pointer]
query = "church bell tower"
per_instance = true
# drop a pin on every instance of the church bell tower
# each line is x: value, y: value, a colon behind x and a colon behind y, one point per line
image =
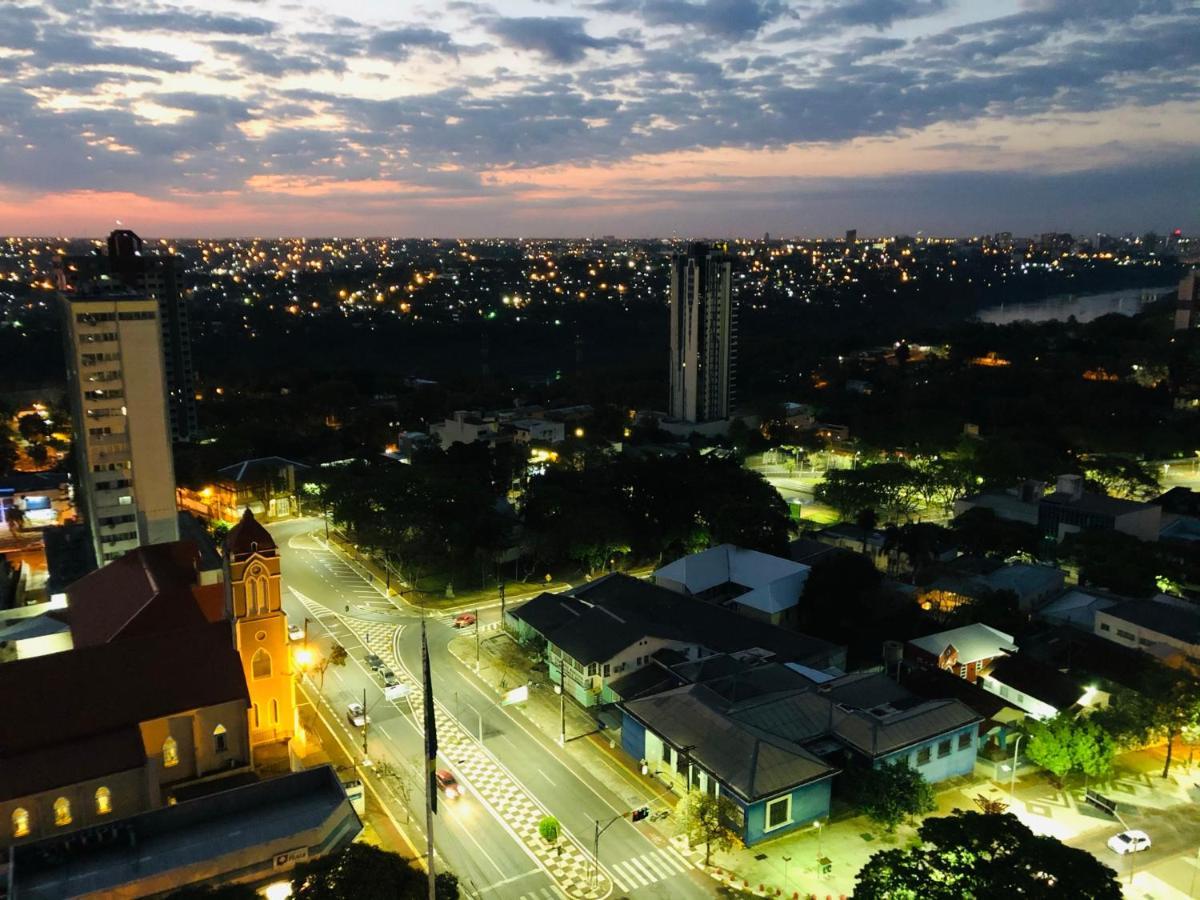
x: 253, y: 603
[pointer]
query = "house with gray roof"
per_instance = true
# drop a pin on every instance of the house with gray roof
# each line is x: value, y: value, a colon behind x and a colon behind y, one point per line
x: 613, y: 626
x: 752, y: 583
x: 1164, y: 626
x: 964, y: 651
x: 772, y: 740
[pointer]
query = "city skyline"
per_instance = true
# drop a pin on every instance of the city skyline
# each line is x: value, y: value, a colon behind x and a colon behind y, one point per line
x: 602, y: 117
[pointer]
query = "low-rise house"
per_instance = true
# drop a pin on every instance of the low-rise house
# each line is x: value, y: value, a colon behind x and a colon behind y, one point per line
x: 537, y: 431
x: 800, y: 416
x: 964, y: 651
x: 1039, y: 689
x: 614, y: 625
x: 1032, y: 585
x: 1164, y: 627
x: 771, y: 739
x: 1070, y: 509
x: 465, y: 427
x: 1078, y: 607
x: 752, y: 583
x: 1018, y: 505
x: 40, y: 498
x: 267, y: 486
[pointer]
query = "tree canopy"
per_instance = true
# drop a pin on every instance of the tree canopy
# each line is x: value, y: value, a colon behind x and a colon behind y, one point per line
x: 984, y: 856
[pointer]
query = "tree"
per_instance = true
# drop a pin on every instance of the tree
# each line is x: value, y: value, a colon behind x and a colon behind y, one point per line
x: 981, y: 532
x: 708, y: 820
x: 15, y: 516
x: 1122, y: 476
x: 337, y: 656
x: 549, y: 829
x: 892, y: 792
x: 363, y: 872
x: 1114, y: 560
x: 1063, y: 744
x: 987, y: 857
x: 33, y: 428
x: 1165, y: 706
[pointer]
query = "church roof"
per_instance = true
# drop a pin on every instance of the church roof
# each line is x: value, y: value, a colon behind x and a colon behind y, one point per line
x: 248, y: 536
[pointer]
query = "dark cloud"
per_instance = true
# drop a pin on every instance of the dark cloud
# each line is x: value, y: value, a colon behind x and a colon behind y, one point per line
x: 879, y: 14
x: 560, y: 39
x: 726, y: 18
x: 276, y: 63
x: 398, y: 43
x: 177, y: 21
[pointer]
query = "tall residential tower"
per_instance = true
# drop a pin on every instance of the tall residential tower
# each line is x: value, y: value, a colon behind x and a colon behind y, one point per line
x: 703, y: 335
x: 118, y: 400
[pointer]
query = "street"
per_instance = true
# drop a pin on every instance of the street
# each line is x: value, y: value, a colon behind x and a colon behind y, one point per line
x: 517, y: 774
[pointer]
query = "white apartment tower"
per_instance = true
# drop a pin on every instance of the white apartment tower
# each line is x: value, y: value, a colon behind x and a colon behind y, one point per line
x: 118, y: 396
x: 703, y: 335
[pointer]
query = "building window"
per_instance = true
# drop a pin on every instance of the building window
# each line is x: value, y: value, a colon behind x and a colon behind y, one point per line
x: 219, y: 741
x: 779, y: 813
x: 62, y: 811
x: 260, y: 664
x: 944, y: 748
x: 103, y: 801
x: 1126, y: 635
x: 170, y: 753
x: 275, y: 712
x: 255, y: 715
x: 1104, y: 626
x: 964, y: 740
x: 923, y: 756
x: 20, y: 822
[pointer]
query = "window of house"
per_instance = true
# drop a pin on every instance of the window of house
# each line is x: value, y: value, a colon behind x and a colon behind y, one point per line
x: 1126, y: 635
x: 779, y: 812
x: 923, y: 756
x: 275, y: 712
x: 944, y: 748
x: 256, y: 723
x: 1104, y: 626
x: 606, y: 669
x: 20, y: 822
x: 62, y: 811
x: 260, y: 664
x: 170, y: 753
x: 964, y: 740
x: 219, y: 739
x: 103, y: 801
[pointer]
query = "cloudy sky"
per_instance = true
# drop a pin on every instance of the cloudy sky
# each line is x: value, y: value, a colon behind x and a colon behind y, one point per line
x: 581, y: 117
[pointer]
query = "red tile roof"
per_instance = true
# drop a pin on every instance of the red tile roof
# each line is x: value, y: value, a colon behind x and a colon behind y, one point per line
x: 151, y: 588
x: 74, y: 715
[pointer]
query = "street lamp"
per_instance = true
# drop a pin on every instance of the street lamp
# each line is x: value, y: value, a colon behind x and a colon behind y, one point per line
x: 1012, y: 785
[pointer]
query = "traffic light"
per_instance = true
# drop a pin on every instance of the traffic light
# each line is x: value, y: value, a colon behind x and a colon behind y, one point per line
x: 640, y: 813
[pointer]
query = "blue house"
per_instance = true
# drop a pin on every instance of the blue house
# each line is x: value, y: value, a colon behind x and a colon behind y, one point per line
x: 772, y: 737
x: 684, y: 739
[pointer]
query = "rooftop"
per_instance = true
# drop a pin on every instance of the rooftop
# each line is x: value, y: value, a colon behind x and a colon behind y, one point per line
x: 1038, y: 680
x: 1177, y: 619
x: 768, y: 583
x: 972, y: 642
x: 1099, y: 504
x: 248, y: 536
x: 594, y: 622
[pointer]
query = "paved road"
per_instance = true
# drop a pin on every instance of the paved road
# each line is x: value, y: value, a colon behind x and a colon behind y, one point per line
x: 471, y: 836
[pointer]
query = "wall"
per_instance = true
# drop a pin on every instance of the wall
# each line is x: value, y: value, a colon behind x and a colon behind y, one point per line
x: 1109, y: 628
x: 633, y: 737
x: 127, y: 795
x: 959, y: 762
x: 1035, y: 707
x: 1143, y: 524
x: 809, y: 803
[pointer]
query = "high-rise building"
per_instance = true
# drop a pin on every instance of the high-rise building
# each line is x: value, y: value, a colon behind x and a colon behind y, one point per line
x: 160, y: 276
x: 1188, y: 300
x: 703, y: 335
x: 118, y: 399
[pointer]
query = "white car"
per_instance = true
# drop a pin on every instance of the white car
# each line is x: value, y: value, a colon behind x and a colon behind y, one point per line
x: 295, y: 632
x: 357, y: 715
x: 1129, y: 842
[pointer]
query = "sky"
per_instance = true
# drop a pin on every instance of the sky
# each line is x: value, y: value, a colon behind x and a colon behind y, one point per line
x: 547, y: 118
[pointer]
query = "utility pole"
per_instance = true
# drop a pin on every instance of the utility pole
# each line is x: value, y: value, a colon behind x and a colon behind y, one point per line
x: 366, y: 723
x: 477, y: 642
x: 501, y: 604
x: 562, y: 703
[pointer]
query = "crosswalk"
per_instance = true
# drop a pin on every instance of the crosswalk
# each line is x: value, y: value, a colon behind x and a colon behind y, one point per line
x: 640, y: 871
x: 546, y: 893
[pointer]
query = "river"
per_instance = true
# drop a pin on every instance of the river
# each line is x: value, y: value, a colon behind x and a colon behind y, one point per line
x: 1084, y: 307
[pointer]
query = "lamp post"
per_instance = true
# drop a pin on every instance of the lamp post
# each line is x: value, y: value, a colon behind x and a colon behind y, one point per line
x: 560, y: 689
x: 786, y: 860
x: 1012, y: 784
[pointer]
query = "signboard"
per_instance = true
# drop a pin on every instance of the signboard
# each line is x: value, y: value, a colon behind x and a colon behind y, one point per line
x: 516, y: 695
x: 289, y: 858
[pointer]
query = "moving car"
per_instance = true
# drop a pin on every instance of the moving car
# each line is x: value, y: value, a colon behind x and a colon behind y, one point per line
x: 357, y: 715
x: 1129, y: 842
x: 374, y: 662
x: 447, y: 784
x: 464, y: 620
x: 386, y: 674
x: 295, y: 632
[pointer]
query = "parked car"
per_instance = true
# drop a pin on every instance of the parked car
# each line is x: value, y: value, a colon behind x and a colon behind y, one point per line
x: 448, y: 784
x: 374, y: 662
x: 357, y: 715
x: 295, y: 632
x: 464, y: 620
x: 1129, y: 842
